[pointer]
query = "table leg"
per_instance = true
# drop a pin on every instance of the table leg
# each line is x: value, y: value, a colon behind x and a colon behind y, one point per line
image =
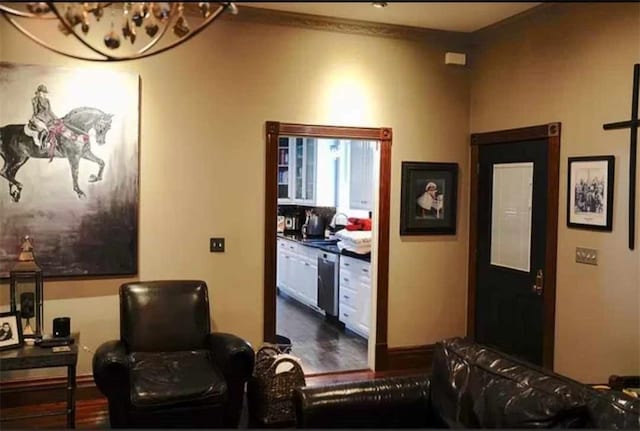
x: 71, y: 396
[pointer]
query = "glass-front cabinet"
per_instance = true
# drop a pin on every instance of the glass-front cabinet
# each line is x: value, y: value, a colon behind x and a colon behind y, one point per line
x: 283, y: 169
x: 297, y: 170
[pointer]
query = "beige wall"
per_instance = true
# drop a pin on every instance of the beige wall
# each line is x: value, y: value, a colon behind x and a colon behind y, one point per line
x: 203, y: 111
x: 573, y: 63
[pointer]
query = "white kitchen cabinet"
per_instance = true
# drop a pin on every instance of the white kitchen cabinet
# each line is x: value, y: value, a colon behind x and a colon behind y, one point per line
x: 361, y: 160
x: 364, y: 307
x: 297, y: 170
x: 355, y: 295
x: 297, y: 272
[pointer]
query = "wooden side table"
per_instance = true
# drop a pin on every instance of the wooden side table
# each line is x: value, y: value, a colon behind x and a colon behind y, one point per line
x: 31, y: 357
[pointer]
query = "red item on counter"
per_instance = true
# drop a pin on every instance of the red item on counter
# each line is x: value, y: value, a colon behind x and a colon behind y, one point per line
x: 358, y: 223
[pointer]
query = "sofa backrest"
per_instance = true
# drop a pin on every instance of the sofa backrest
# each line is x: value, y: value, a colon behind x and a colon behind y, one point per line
x: 613, y: 410
x: 473, y: 386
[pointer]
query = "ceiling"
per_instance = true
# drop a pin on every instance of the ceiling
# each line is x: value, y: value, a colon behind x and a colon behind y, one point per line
x: 463, y: 17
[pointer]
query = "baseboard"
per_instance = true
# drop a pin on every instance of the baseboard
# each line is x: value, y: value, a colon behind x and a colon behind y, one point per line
x: 409, y: 358
x: 46, y: 390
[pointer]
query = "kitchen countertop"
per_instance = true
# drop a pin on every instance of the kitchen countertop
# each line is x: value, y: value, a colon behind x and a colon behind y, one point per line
x: 330, y: 248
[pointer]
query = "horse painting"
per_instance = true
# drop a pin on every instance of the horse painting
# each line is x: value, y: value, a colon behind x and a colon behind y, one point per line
x: 16, y: 147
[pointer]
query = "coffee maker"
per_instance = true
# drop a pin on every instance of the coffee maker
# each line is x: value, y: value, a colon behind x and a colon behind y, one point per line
x: 291, y: 223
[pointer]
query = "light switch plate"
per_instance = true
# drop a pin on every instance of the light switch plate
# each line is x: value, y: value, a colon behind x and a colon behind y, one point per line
x: 216, y: 245
x: 587, y: 255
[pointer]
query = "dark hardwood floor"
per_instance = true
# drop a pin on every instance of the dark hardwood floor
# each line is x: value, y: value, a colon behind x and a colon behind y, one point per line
x: 90, y: 414
x: 321, y: 346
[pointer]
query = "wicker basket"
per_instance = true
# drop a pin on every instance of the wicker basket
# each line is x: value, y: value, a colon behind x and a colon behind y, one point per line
x: 270, y: 393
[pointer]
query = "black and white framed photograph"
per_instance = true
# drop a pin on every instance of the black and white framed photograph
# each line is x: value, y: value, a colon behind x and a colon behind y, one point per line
x: 590, y: 192
x: 428, y: 198
x: 10, y: 331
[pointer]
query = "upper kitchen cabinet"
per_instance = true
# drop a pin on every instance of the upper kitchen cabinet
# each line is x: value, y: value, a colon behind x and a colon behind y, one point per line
x: 361, y: 166
x: 304, y: 170
x: 284, y: 175
x: 297, y: 170
x: 307, y: 171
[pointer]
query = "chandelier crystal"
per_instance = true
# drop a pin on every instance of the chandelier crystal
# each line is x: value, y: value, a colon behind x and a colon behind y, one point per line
x: 113, y: 31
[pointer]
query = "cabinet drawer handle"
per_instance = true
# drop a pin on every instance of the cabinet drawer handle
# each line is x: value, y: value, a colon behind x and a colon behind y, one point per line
x: 306, y: 264
x: 346, y: 264
x: 345, y: 296
x: 345, y: 279
x: 345, y: 314
x: 365, y: 270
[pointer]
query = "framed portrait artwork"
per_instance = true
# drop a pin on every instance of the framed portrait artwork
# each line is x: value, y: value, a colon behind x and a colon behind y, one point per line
x: 590, y: 192
x: 428, y: 198
x: 10, y: 331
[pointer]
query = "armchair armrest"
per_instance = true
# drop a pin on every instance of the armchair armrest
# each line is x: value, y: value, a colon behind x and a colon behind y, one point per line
x: 233, y: 355
x: 111, y: 369
x: 384, y: 403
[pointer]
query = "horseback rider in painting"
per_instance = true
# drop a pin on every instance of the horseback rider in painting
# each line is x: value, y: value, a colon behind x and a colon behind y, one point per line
x: 42, y: 117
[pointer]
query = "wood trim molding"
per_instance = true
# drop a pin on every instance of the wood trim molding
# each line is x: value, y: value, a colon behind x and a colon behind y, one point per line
x: 343, y: 25
x: 473, y: 242
x: 270, y: 240
x: 19, y: 393
x: 408, y: 358
x: 550, y: 133
x: 542, y: 131
x: 549, y: 292
x: 384, y: 136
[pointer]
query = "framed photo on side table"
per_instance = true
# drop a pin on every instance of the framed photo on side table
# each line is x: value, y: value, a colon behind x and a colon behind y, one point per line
x: 428, y: 198
x: 10, y: 330
x: 590, y: 192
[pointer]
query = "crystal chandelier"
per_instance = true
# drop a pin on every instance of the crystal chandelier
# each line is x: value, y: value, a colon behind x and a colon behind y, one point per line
x: 113, y: 31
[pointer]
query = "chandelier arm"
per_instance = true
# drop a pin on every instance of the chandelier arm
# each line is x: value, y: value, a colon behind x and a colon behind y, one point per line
x: 71, y: 30
x: 21, y: 14
x: 143, y: 53
x: 202, y: 26
x: 44, y: 44
x: 159, y: 36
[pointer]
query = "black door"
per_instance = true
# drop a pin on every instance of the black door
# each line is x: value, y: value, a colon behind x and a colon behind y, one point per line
x: 511, y: 244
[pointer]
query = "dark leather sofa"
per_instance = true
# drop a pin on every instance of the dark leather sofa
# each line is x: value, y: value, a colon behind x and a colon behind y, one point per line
x: 470, y: 386
x: 168, y: 369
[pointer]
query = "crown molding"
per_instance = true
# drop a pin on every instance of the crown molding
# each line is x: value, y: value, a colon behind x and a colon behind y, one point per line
x: 342, y: 25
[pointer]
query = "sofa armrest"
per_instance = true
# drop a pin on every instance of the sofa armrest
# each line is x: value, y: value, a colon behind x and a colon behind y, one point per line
x: 233, y: 355
x: 111, y: 369
x: 384, y: 403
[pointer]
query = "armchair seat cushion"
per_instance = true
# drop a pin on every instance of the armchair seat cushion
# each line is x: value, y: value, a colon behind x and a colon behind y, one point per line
x: 168, y: 378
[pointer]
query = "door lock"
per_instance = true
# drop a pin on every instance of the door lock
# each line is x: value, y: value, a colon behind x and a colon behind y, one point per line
x: 538, y: 286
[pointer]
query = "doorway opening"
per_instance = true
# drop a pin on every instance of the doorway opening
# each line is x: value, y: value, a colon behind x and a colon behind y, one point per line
x: 325, y: 286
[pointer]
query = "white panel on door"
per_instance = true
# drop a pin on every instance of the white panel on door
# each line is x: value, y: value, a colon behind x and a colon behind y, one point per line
x: 511, y: 215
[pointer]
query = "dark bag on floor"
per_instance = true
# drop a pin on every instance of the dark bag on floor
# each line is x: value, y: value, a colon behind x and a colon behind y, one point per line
x: 270, y: 389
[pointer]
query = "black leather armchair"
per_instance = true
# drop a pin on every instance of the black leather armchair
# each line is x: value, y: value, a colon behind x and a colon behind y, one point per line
x: 168, y: 369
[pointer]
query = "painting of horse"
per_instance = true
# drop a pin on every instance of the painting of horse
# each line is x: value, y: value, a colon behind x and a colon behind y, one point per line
x: 16, y: 147
x: 71, y: 181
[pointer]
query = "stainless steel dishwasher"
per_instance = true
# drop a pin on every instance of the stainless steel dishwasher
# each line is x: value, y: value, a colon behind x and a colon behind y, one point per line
x: 328, y: 267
